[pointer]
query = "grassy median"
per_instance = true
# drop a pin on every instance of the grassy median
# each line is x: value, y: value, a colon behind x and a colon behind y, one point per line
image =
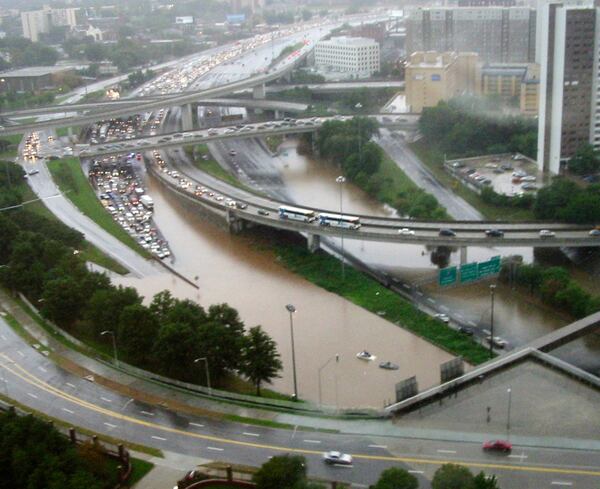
x: 71, y: 180
x: 324, y: 270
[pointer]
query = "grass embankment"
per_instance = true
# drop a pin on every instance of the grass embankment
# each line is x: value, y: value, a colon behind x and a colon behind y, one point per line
x: 400, y: 191
x: 434, y: 160
x: 324, y: 271
x: 71, y: 180
x: 140, y: 468
x: 273, y: 142
x: 209, y: 165
x: 88, y: 252
x: 12, y: 150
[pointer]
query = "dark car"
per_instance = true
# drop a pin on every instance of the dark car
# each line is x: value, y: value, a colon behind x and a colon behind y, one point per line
x: 494, y: 233
x: 447, y: 232
x: 241, y: 205
x: 503, y: 446
x: 466, y: 330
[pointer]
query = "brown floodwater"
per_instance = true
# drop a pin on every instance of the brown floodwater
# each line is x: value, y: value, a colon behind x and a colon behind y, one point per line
x: 230, y: 270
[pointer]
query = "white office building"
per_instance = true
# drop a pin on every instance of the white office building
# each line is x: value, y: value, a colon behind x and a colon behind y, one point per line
x: 36, y: 22
x: 357, y: 56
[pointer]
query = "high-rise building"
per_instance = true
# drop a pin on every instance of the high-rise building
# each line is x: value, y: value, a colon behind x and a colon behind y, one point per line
x: 36, y: 22
x: 569, y: 108
x: 432, y: 77
x: 497, y: 34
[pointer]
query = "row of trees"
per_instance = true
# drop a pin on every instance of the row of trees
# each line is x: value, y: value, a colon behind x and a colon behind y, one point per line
x: 23, y: 52
x: 348, y: 145
x: 554, y: 286
x: 468, y: 126
x: 34, y: 454
x: 289, y: 472
x: 585, y: 161
x: 165, y: 337
x: 564, y: 200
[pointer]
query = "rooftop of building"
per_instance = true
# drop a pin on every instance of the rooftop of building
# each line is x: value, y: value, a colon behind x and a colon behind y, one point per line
x: 528, y: 72
x: 434, y: 59
x: 349, y: 41
x: 33, y: 71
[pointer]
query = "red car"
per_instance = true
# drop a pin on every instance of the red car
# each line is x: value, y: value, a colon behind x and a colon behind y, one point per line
x: 498, y: 446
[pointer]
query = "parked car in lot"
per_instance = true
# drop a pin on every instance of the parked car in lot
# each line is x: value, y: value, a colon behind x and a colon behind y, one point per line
x: 337, y: 458
x: 503, y: 446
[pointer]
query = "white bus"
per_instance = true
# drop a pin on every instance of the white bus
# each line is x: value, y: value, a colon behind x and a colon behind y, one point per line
x: 288, y: 212
x: 339, y: 220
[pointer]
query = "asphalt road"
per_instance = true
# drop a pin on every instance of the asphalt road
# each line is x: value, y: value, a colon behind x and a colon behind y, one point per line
x: 407, y: 161
x: 30, y: 378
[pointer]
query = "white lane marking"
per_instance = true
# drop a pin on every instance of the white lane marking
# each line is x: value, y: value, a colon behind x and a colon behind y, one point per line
x: 197, y: 425
x: 105, y: 399
x: 444, y: 308
x: 459, y: 316
x: 561, y: 483
x: 446, y: 451
x: 147, y: 413
x: 159, y: 438
x: 215, y: 449
x: 378, y: 446
x: 406, y: 286
x: 250, y: 434
x: 68, y: 411
x: 419, y: 293
x: 522, y: 456
x: 471, y: 323
x: 42, y: 369
x: 429, y: 299
x: 70, y: 385
x: 3, y: 337
x: 416, y: 472
x: 312, y: 441
x: 21, y: 353
x: 32, y: 395
x: 110, y: 425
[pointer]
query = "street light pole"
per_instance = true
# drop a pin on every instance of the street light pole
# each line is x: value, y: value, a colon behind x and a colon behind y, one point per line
x: 337, y: 359
x: 492, y: 290
x: 205, y: 360
x: 509, y: 390
x: 291, y: 309
x: 341, y: 180
x: 114, y: 342
x: 359, y: 106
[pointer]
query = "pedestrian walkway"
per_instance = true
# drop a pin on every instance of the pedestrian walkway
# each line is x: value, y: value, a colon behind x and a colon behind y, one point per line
x: 151, y: 392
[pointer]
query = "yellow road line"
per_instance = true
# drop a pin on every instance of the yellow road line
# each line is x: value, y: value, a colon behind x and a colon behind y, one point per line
x: 26, y: 376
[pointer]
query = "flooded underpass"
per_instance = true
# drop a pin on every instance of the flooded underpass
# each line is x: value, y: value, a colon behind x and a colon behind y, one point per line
x: 230, y: 269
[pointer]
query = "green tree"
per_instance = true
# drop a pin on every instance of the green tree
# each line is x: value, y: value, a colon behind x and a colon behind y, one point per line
x: 482, y: 481
x: 396, y: 478
x: 63, y: 301
x: 106, y: 305
x: 552, y: 199
x: 174, y: 350
x: 281, y: 472
x: 137, y: 329
x: 452, y: 476
x: 260, y: 359
x: 586, y: 160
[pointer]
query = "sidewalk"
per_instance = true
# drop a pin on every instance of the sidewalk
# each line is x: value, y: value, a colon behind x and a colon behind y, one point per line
x: 178, y: 400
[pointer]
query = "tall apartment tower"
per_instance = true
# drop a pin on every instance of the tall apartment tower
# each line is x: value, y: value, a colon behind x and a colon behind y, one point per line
x: 496, y: 34
x: 569, y: 57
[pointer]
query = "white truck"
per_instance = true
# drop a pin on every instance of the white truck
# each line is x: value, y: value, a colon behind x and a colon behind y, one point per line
x: 147, y: 201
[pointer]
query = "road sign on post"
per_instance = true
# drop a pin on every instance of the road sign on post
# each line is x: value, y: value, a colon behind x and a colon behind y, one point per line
x: 468, y: 273
x: 447, y: 276
x: 490, y: 267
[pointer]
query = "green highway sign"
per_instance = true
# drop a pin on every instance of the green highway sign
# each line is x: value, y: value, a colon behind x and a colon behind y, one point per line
x: 447, y: 276
x: 490, y: 267
x: 468, y: 272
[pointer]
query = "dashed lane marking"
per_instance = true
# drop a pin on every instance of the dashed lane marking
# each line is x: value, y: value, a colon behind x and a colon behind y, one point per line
x: 68, y: 411
x: 315, y: 442
x: 446, y: 451
x: 215, y: 449
x: 384, y: 447
x: 250, y: 434
x: 110, y: 425
x: 159, y: 438
x: 197, y: 425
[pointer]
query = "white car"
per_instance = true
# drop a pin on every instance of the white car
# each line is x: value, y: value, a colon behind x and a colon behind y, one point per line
x: 546, y: 233
x: 406, y: 231
x: 337, y: 458
x: 443, y: 318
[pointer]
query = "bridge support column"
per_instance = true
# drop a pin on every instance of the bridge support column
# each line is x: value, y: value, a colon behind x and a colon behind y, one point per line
x: 187, y: 121
x: 194, y: 109
x: 70, y: 131
x: 234, y: 224
x: 259, y: 92
x: 313, y: 242
x: 313, y: 143
x: 277, y: 114
x: 463, y: 255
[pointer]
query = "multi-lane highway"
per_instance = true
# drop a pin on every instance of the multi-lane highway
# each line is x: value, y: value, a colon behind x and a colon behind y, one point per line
x: 29, y: 377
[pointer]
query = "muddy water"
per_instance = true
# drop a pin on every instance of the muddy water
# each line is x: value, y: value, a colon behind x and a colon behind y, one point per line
x: 229, y: 270
x: 517, y: 319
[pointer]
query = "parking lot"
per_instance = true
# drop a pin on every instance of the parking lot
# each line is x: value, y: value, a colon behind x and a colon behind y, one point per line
x: 509, y: 174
